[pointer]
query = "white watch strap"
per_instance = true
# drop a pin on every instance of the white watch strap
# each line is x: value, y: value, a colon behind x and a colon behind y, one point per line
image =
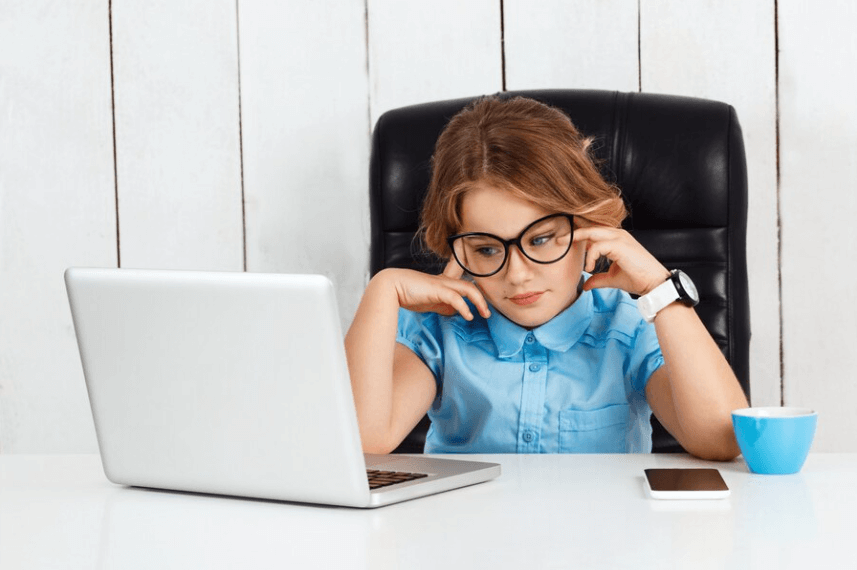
x: 656, y: 299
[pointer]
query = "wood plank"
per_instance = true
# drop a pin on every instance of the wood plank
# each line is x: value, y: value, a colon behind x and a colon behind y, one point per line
x: 431, y: 51
x: 177, y: 134
x: 57, y: 209
x: 725, y: 51
x: 571, y: 44
x: 306, y: 141
x: 818, y: 146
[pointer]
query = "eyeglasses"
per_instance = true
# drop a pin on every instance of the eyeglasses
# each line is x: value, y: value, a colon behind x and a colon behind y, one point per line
x: 546, y: 240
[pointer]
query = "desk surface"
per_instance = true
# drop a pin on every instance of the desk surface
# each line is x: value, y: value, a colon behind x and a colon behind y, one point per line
x: 552, y: 511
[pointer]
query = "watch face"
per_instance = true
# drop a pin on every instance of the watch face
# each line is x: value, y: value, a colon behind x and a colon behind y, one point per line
x: 688, y: 286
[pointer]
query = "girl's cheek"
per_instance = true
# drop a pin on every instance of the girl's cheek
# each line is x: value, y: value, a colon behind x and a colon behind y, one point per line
x: 488, y: 289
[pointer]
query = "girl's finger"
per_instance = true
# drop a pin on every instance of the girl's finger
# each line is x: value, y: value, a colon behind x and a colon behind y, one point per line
x: 594, y: 233
x: 456, y: 301
x: 597, y: 281
x: 610, y: 279
x: 596, y: 250
x: 473, y: 293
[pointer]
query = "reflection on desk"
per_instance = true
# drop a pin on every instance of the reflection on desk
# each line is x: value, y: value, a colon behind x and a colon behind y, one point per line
x: 545, y: 511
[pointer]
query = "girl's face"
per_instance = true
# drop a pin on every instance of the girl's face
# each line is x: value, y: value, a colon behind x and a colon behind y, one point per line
x: 527, y: 293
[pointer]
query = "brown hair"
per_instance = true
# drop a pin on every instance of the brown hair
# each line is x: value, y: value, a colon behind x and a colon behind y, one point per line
x: 520, y: 145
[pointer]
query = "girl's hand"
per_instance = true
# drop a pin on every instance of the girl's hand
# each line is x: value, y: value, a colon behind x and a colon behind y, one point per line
x: 443, y: 294
x: 633, y: 268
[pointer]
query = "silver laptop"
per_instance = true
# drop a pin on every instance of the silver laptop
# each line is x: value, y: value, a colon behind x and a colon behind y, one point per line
x: 234, y: 384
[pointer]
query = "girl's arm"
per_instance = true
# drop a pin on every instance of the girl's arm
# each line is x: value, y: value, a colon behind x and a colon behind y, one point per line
x: 694, y: 393
x: 392, y: 387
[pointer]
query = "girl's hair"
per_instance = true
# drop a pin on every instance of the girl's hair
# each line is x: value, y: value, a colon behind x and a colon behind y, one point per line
x: 524, y: 147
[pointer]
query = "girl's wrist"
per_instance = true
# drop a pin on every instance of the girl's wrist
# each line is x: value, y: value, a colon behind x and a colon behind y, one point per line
x: 657, y: 281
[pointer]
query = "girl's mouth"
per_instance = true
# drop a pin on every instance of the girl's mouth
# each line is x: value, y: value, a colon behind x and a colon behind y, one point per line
x: 527, y: 298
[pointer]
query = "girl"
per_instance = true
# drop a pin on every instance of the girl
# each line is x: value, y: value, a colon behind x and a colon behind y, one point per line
x: 517, y: 347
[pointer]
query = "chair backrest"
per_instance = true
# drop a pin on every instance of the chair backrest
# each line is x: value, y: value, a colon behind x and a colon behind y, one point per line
x: 679, y: 162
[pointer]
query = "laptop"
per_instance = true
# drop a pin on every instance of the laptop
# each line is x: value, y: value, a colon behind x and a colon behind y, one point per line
x: 234, y: 384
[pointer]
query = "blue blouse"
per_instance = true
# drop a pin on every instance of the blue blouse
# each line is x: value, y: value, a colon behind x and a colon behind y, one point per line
x: 575, y: 384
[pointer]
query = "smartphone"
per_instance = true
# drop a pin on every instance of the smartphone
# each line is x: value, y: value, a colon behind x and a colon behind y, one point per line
x: 686, y: 483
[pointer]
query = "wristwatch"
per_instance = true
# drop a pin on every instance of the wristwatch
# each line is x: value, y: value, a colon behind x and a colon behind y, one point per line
x: 677, y: 287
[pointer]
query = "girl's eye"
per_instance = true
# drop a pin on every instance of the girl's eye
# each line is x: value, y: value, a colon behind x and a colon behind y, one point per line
x: 487, y: 251
x: 541, y: 240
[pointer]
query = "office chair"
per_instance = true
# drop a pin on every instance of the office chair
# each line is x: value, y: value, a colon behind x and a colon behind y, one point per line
x: 679, y: 162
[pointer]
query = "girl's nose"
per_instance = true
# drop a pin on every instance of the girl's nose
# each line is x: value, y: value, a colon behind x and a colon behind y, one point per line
x: 518, y: 269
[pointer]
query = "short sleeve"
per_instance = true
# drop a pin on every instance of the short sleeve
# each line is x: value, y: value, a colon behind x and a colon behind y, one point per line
x: 646, y: 356
x: 421, y: 333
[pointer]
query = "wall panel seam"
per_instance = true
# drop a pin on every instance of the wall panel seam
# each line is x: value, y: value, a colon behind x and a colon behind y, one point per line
x: 241, y: 138
x: 368, y: 74
x: 639, y: 51
x: 779, y: 214
x: 503, y: 45
x: 113, y: 121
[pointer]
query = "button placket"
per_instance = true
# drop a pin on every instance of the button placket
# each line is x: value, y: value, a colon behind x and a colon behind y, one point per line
x: 533, y: 395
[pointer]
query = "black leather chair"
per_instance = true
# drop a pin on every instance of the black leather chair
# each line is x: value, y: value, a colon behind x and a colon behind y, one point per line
x: 679, y: 162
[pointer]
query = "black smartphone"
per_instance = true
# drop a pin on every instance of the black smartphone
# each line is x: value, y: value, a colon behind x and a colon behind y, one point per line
x: 687, y: 483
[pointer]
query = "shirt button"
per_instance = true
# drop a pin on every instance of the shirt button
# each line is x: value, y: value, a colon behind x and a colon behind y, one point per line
x: 530, y: 339
x: 528, y: 436
x: 535, y: 367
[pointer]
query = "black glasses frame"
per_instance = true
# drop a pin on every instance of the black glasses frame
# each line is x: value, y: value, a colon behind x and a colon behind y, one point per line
x: 507, y: 242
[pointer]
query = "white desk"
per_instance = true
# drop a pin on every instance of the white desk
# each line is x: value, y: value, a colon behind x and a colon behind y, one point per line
x: 560, y: 511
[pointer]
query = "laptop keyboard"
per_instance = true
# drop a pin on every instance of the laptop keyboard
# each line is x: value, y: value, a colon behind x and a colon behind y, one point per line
x: 378, y: 479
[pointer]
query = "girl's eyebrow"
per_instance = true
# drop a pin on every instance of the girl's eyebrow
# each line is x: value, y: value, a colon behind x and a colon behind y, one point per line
x: 491, y: 234
x: 517, y: 234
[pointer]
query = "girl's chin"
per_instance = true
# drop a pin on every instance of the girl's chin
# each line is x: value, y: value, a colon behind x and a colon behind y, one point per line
x: 527, y: 319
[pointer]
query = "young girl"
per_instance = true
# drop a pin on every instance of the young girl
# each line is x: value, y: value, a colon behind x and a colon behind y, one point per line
x: 517, y: 347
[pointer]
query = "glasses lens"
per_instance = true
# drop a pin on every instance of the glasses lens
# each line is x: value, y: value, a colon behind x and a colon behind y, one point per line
x: 548, y: 240
x: 479, y: 254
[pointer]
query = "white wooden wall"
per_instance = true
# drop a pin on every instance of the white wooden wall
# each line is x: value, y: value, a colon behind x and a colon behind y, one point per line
x: 178, y: 159
x: 57, y: 208
x: 234, y: 135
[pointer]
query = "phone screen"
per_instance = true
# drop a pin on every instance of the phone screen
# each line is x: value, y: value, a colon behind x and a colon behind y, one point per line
x: 686, y: 482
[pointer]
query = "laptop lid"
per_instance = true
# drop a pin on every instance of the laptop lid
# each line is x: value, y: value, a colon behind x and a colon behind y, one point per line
x: 218, y: 382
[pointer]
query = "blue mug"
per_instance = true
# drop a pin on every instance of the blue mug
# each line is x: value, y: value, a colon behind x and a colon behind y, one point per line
x: 774, y: 441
